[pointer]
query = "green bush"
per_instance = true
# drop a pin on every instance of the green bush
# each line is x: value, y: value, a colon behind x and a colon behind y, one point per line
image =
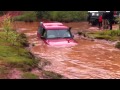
x: 27, y: 16
x: 63, y: 16
x: 7, y: 26
x: 22, y: 39
x: 43, y: 14
x: 67, y: 16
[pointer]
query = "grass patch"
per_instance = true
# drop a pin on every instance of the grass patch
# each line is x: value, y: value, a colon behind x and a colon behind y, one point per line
x: 10, y: 55
x: 14, y: 57
x: 29, y: 75
x: 12, y: 50
x: 52, y: 75
x: 117, y: 45
x: 111, y: 35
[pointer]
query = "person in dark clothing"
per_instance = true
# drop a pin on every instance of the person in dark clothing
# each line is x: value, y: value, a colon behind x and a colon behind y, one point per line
x: 110, y: 18
x: 88, y: 18
x: 107, y: 20
x: 104, y: 17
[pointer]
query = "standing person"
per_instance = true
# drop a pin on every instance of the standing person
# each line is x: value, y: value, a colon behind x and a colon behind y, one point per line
x: 110, y: 18
x: 88, y: 18
x: 104, y: 17
x: 100, y: 21
x: 107, y: 20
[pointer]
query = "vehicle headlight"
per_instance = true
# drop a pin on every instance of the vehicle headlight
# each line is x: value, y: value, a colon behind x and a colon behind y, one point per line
x: 93, y: 14
x: 97, y: 14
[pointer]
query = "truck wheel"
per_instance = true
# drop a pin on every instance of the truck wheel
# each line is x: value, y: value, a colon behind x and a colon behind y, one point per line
x: 96, y: 22
x: 93, y: 23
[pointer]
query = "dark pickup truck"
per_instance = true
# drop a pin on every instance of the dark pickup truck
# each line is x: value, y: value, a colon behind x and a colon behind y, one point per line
x: 94, y: 15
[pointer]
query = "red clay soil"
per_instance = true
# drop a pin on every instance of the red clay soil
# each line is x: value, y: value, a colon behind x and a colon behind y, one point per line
x: 15, y: 74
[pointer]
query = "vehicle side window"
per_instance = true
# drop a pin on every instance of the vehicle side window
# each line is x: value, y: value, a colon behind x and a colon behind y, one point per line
x: 69, y: 32
x: 44, y: 33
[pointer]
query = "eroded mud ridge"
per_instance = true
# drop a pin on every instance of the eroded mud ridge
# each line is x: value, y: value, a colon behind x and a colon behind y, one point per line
x: 87, y: 60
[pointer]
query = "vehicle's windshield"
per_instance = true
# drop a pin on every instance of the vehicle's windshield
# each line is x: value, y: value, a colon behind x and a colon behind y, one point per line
x: 58, y: 34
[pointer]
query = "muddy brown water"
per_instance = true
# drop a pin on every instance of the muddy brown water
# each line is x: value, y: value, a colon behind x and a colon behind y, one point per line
x: 87, y: 60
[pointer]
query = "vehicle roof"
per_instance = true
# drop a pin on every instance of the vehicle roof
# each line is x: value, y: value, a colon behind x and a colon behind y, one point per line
x: 97, y: 11
x: 92, y: 11
x: 54, y: 26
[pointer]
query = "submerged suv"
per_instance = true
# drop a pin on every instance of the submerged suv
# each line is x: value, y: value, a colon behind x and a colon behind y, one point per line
x: 55, y: 34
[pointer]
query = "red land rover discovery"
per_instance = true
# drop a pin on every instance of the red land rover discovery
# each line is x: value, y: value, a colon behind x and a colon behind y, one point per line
x: 56, y: 34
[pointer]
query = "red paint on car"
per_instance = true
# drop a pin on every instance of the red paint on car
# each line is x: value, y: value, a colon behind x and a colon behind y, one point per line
x: 56, y: 34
